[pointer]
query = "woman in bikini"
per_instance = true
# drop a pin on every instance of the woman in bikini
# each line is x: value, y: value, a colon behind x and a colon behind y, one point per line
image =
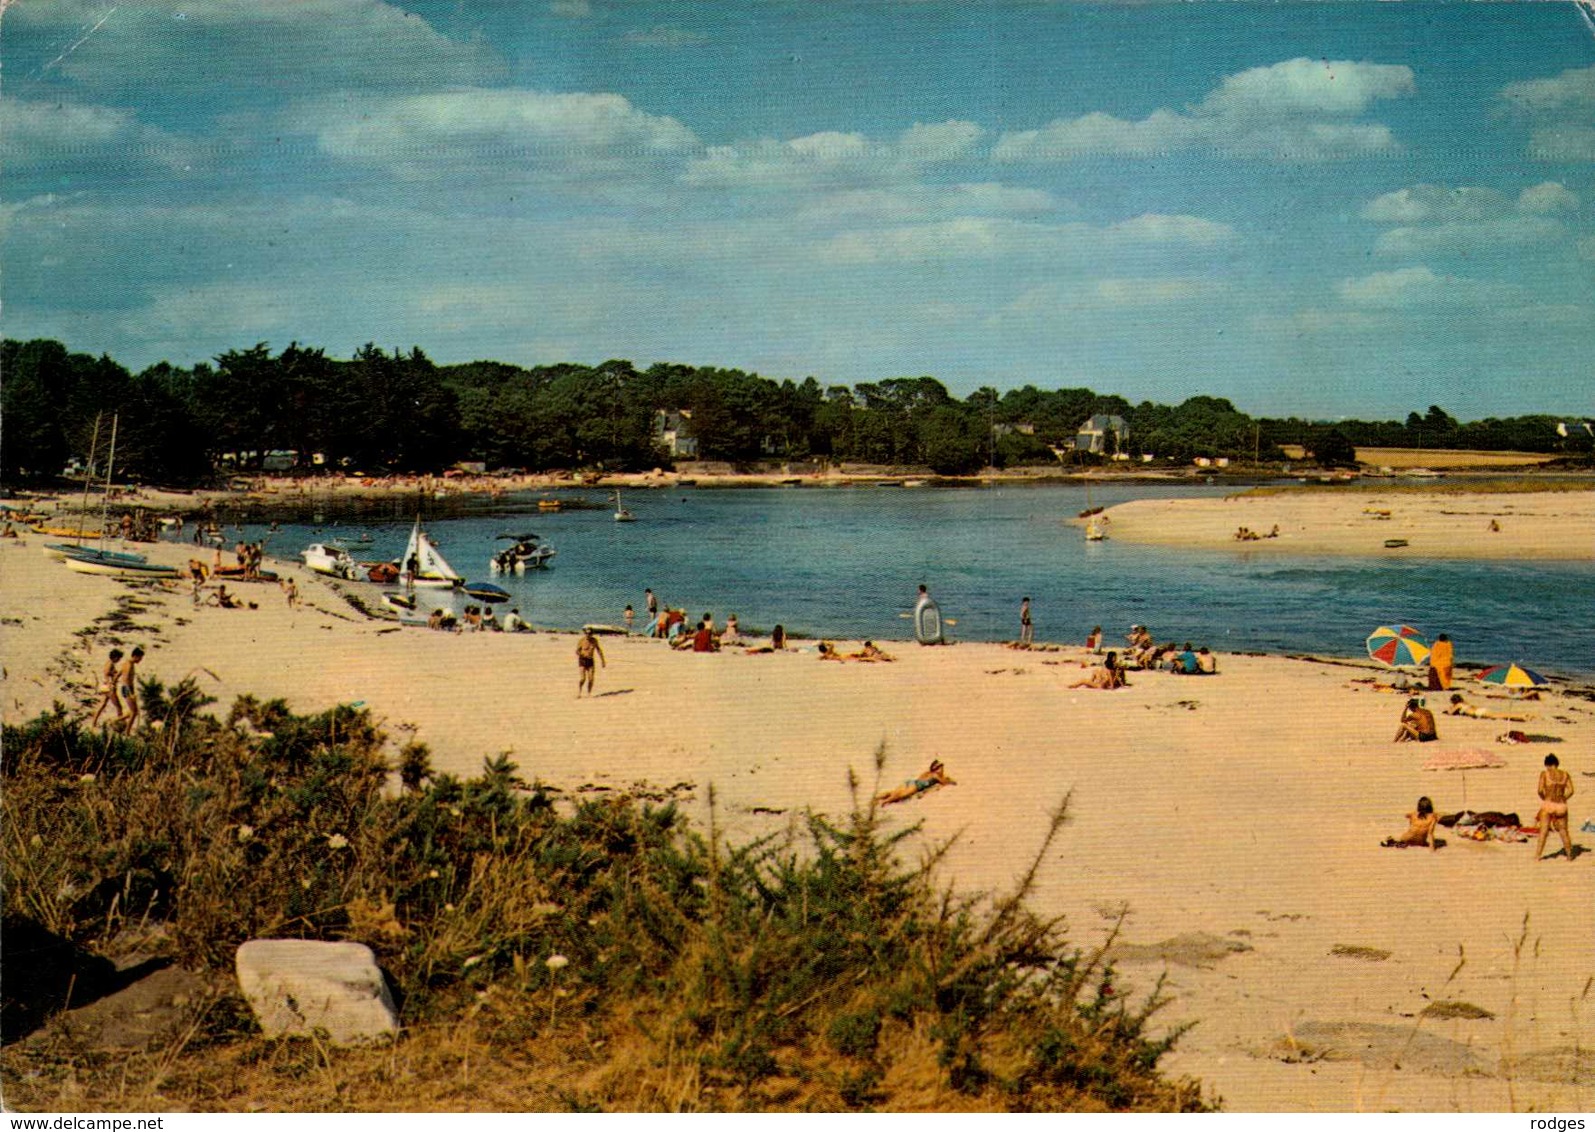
x: 935, y: 775
x: 1420, y: 828
x: 1555, y: 788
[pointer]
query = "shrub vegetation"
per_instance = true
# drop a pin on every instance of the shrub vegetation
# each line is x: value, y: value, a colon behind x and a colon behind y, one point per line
x: 595, y: 955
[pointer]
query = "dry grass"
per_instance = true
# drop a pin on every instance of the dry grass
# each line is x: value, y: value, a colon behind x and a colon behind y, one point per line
x: 1442, y: 458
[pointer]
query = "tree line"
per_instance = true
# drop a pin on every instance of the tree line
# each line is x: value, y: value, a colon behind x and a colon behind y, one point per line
x: 381, y: 412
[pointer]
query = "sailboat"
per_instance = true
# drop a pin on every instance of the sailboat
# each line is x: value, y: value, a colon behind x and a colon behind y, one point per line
x: 423, y: 565
x: 98, y: 560
x: 1093, y: 529
x: 621, y: 514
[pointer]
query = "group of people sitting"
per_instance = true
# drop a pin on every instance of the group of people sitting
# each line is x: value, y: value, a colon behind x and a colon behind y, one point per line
x: 1246, y: 534
x: 1145, y: 653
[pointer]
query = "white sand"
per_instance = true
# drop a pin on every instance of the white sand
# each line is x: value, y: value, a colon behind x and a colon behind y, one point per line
x: 1243, y: 808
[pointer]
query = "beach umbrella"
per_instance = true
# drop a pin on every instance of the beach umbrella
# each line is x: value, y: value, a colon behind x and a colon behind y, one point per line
x: 486, y: 591
x: 1512, y: 676
x: 1398, y: 646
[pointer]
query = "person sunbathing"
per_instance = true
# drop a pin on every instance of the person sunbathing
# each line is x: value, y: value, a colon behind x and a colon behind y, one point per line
x: 871, y: 651
x: 935, y: 775
x: 1420, y: 828
x: 1459, y: 707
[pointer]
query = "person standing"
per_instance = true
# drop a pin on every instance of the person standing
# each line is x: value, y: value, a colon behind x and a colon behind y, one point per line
x: 586, y: 649
x: 1555, y: 788
x: 1026, y: 631
x: 108, y: 696
x: 631, y: 615
x: 126, y: 683
x: 1440, y: 664
x: 653, y: 603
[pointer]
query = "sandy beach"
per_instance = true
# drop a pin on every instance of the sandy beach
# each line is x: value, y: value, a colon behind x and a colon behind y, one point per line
x: 1236, y: 817
x: 1547, y: 525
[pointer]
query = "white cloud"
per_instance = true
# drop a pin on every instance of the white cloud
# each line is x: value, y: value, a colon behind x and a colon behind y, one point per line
x: 552, y: 134
x: 1157, y: 292
x: 64, y: 136
x: 1571, y: 90
x: 1293, y: 111
x: 833, y: 158
x: 1437, y: 220
x: 1559, y: 109
x: 1159, y: 228
x: 1421, y: 287
x: 205, y: 45
x: 1548, y: 196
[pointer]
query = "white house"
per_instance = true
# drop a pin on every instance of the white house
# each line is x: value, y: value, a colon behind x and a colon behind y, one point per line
x: 1102, y: 434
x: 672, y: 431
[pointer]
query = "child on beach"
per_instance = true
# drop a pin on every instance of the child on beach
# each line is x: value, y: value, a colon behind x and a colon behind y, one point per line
x: 1420, y: 828
x: 631, y: 615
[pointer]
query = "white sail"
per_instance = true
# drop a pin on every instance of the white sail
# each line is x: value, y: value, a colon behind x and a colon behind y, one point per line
x: 429, y: 564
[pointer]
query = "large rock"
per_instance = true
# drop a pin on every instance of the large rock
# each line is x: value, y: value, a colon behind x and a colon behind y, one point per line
x: 297, y: 986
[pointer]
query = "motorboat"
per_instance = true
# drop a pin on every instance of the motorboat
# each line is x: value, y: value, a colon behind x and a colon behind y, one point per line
x: 332, y: 560
x: 527, y: 552
x: 424, y: 565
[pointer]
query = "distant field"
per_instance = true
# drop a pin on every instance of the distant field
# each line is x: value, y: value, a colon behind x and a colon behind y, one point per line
x: 1436, y: 457
x: 1449, y: 458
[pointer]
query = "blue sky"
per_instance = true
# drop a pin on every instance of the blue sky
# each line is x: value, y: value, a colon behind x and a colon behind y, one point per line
x: 1324, y: 209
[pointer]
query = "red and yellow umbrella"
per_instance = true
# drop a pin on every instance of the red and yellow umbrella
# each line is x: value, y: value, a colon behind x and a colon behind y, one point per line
x: 1398, y: 646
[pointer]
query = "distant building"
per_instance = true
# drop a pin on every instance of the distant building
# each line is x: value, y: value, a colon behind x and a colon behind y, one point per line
x: 1102, y: 435
x: 1023, y: 428
x: 671, y: 432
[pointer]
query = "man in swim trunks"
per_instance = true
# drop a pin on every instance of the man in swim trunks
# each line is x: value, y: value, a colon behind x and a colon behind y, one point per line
x: 126, y: 683
x: 586, y: 649
x: 1026, y: 631
x: 1417, y: 724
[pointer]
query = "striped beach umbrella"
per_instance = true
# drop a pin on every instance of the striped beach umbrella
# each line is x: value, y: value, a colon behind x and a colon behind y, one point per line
x: 1398, y: 646
x: 1512, y: 676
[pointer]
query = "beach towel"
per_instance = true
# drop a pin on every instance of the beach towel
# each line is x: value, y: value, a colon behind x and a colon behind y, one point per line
x: 1468, y: 758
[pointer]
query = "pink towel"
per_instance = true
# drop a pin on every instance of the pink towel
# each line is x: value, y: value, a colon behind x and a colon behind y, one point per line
x: 1467, y: 759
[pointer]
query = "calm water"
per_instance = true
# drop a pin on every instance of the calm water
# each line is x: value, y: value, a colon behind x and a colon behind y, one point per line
x: 846, y: 562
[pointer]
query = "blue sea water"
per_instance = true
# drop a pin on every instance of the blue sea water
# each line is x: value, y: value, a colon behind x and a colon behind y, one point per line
x: 846, y: 562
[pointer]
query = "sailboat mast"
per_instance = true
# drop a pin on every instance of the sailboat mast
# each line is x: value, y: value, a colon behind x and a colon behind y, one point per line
x: 110, y: 465
x: 88, y: 475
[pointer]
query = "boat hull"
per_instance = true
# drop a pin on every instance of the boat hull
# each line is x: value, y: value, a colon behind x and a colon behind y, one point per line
x: 120, y: 569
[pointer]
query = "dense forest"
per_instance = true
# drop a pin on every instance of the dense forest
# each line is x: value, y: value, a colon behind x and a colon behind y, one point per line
x: 400, y: 412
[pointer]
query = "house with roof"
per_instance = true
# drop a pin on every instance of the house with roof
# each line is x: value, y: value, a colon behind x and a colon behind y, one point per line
x: 673, y: 433
x: 1103, y: 434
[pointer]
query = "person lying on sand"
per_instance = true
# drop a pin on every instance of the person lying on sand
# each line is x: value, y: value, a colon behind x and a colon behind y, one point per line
x: 1417, y: 724
x: 935, y: 775
x: 1420, y: 828
x: 1459, y: 707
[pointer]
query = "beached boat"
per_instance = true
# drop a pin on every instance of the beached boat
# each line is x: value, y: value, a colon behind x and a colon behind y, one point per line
x: 60, y: 551
x: 528, y: 553
x: 109, y: 569
x: 334, y: 561
x: 423, y: 565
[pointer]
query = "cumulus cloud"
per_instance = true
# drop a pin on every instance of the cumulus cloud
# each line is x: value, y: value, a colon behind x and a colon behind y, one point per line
x: 65, y: 137
x: 1433, y: 219
x: 554, y: 134
x: 926, y: 202
x: 1559, y: 110
x: 833, y: 158
x: 1296, y: 111
x: 206, y: 45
